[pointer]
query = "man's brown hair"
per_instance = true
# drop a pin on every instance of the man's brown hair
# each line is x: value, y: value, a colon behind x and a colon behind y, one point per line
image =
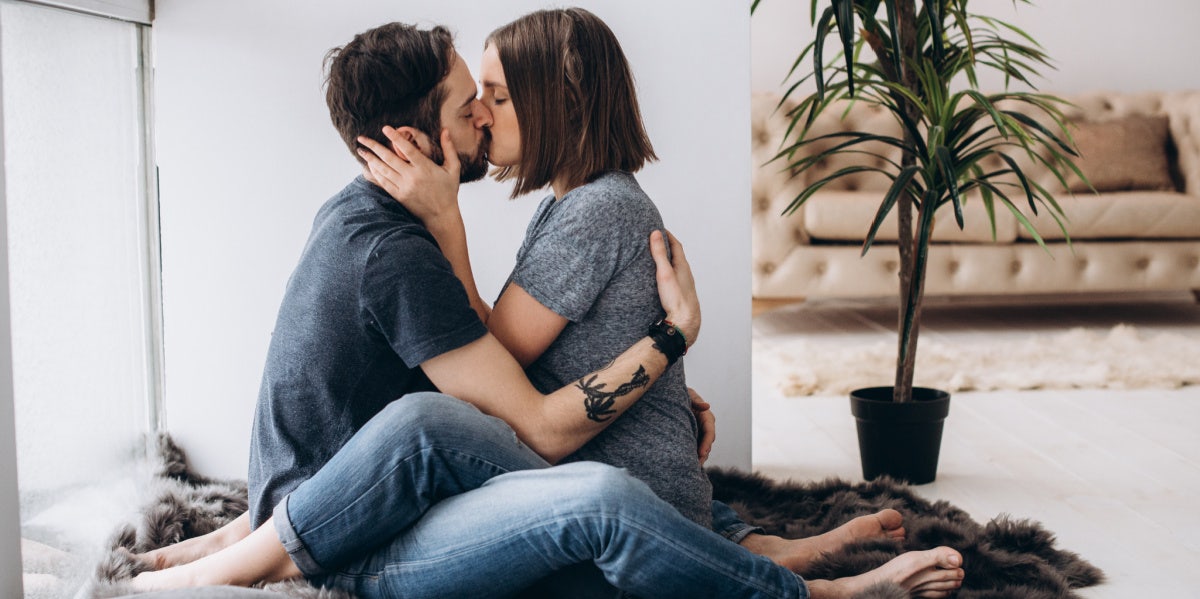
x: 574, y: 97
x: 389, y: 75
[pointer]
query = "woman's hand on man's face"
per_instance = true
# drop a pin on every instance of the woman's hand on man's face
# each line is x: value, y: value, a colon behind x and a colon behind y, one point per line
x: 428, y: 190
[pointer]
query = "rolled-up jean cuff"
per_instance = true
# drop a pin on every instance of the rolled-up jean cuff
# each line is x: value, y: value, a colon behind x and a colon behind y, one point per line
x: 292, y: 543
x: 740, y: 531
x: 805, y: 593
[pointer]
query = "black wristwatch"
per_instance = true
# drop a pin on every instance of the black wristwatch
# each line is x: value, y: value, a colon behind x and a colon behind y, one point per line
x: 668, y: 339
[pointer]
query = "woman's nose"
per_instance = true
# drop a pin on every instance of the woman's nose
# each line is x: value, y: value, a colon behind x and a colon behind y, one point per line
x: 483, y: 116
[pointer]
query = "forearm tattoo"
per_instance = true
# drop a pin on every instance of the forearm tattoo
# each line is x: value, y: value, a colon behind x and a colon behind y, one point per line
x: 599, y: 402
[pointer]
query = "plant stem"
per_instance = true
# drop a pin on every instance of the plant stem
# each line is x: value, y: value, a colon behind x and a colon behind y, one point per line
x: 906, y: 17
x: 910, y: 317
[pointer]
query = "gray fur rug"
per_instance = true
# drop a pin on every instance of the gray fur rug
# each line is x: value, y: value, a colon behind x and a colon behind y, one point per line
x: 1003, y: 559
x: 184, y: 505
x: 1006, y: 558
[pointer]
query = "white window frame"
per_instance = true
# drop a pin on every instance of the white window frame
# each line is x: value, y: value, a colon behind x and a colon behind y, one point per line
x: 10, y: 512
x: 134, y: 11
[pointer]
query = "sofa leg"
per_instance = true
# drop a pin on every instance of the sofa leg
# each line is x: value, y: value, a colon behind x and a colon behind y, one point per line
x: 759, y: 305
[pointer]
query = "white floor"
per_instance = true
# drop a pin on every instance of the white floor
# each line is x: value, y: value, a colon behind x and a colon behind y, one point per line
x: 1116, y: 474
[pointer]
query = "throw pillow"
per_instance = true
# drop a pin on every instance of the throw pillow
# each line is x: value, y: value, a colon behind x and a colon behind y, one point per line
x: 1123, y: 154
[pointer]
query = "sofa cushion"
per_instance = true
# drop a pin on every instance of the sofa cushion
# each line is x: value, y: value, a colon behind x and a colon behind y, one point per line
x: 961, y: 269
x: 1124, y: 154
x: 843, y: 116
x: 1123, y: 215
x: 847, y: 216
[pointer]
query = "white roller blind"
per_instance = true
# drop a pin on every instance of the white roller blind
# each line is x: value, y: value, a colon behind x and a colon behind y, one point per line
x: 73, y: 177
x: 74, y: 183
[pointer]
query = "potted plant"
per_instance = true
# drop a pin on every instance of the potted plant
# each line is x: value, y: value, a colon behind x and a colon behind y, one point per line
x: 906, y: 59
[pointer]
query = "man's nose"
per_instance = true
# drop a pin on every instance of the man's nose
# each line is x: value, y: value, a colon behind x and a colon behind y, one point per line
x: 483, y: 116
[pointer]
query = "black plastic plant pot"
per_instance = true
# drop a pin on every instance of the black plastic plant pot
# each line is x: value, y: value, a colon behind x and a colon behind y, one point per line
x: 901, y: 440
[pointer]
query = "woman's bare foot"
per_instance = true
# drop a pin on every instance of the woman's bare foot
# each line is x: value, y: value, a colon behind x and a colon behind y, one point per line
x: 797, y: 554
x: 933, y: 574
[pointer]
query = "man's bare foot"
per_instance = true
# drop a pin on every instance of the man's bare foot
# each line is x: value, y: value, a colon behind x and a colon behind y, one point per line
x: 180, y: 576
x: 180, y: 553
x: 258, y: 557
x: 797, y: 554
x: 190, y: 550
x: 163, y: 580
x: 933, y: 574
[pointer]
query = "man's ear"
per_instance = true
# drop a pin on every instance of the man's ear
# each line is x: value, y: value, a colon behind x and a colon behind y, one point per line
x: 417, y: 137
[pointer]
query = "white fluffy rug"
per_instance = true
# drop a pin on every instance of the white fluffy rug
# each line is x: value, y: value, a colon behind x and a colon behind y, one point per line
x: 1121, y: 358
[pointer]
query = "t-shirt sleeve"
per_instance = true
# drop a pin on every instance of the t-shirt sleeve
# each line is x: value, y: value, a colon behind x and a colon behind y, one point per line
x: 569, y: 262
x: 410, y: 294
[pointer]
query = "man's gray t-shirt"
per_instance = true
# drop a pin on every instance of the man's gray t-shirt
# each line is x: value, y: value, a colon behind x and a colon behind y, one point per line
x: 587, y: 258
x: 370, y: 300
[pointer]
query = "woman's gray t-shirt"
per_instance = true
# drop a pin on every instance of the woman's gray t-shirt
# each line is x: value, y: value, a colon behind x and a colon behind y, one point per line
x: 587, y: 258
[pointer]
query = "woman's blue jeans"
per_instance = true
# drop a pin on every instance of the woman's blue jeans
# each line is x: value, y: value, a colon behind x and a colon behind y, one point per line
x: 433, y: 498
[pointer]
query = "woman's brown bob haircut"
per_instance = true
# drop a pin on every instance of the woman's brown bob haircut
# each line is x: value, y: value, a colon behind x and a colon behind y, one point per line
x: 574, y: 96
x: 389, y: 75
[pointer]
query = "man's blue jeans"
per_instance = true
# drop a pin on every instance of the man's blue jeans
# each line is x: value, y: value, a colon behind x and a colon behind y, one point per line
x: 433, y: 498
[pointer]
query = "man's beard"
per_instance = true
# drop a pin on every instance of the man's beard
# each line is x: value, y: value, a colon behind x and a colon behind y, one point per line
x: 473, y: 168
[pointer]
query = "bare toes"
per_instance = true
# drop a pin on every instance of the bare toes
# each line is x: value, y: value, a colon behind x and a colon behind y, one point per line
x: 947, y: 557
x: 889, y: 519
x: 939, y: 585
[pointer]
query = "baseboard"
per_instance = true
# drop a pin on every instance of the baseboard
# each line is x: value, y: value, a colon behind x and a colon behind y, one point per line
x: 759, y: 305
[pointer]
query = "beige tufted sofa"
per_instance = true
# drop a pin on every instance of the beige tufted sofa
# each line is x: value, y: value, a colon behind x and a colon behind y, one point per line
x: 1134, y: 235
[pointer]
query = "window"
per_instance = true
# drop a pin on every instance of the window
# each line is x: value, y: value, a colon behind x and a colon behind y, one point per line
x: 83, y: 272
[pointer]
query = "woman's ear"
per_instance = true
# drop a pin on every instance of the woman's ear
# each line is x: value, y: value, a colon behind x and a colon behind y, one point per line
x: 417, y: 138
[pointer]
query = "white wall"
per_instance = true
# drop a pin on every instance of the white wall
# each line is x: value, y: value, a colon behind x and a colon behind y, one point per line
x: 1095, y: 44
x: 246, y: 155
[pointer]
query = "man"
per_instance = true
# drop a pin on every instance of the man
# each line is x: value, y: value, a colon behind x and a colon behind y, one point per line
x: 373, y: 311
x: 343, y: 472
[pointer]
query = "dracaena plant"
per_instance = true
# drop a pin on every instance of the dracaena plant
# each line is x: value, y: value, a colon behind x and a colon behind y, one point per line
x: 906, y: 58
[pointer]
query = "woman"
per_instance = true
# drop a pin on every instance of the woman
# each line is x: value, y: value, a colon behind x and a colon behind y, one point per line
x: 584, y: 283
x: 584, y: 278
x: 584, y: 267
